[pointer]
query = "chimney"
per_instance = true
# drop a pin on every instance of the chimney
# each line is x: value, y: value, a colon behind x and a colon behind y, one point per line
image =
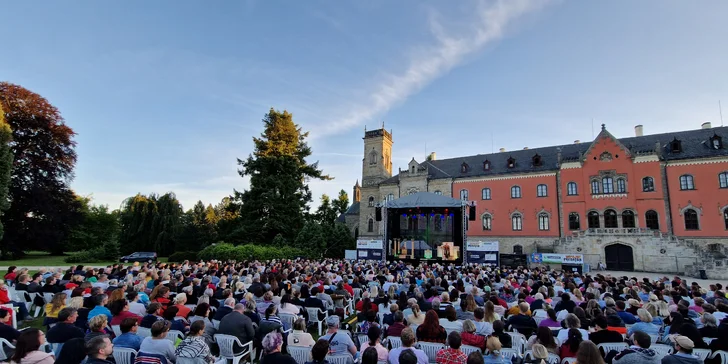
x: 577, y: 141
x: 502, y: 150
x: 706, y: 125
x: 525, y: 148
x: 638, y: 130
x: 432, y: 156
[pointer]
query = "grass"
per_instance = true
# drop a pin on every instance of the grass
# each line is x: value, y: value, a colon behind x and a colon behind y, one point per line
x: 43, y: 259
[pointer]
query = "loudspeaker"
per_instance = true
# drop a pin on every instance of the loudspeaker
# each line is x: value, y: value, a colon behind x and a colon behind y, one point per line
x: 471, y: 214
x: 378, y: 213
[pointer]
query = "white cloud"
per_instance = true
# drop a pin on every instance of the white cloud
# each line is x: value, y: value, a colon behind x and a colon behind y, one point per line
x: 491, y: 21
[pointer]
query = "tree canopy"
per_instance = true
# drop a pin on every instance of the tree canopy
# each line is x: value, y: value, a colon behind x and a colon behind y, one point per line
x: 6, y: 165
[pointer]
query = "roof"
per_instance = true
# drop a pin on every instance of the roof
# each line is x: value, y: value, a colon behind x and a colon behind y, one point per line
x: 694, y: 144
x: 423, y: 199
x: 352, y: 210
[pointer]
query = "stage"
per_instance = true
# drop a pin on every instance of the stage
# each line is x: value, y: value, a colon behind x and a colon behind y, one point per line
x: 425, y: 227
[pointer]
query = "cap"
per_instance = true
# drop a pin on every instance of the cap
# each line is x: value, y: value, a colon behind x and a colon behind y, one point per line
x: 683, y: 341
x: 332, y: 321
x: 633, y: 302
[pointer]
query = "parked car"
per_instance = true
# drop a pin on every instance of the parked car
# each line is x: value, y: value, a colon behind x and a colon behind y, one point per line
x: 149, y: 257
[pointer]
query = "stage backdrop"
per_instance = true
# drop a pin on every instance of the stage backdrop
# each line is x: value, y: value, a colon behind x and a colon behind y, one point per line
x: 370, y: 249
x: 482, y: 251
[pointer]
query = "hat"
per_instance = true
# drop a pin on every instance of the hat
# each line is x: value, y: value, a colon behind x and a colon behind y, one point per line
x: 633, y: 302
x: 332, y: 321
x: 683, y: 341
x: 539, y: 351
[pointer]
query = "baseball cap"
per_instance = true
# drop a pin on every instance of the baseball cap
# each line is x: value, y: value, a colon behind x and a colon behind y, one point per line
x: 683, y: 341
x: 332, y: 321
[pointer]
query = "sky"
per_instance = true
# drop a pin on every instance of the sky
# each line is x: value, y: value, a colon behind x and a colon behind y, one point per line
x: 165, y: 95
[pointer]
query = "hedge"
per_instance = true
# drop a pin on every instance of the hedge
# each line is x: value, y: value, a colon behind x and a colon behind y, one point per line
x: 225, y: 251
x: 179, y: 257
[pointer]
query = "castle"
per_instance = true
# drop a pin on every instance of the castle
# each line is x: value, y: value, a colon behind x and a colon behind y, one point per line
x: 648, y: 203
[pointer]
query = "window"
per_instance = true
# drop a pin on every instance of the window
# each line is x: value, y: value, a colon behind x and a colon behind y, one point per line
x: 610, y: 219
x: 686, y: 182
x: 621, y: 186
x: 595, y: 187
x: 464, y: 195
x: 517, y: 249
x: 515, y: 192
x: 517, y: 222
x: 486, y: 165
x: 716, y: 142
x: 543, y: 221
x: 592, y: 220
x: 511, y: 162
x: 390, y: 197
x: 412, y: 170
x: 607, y: 185
x: 438, y: 192
x: 541, y: 191
x: 628, y: 219
x: 651, y: 220
x: 648, y: 184
x: 373, y: 157
x: 574, y: 221
x: 725, y: 218
x: 371, y: 201
x: 691, y: 220
x: 571, y: 189
x: 675, y: 146
x: 463, y: 168
x: 486, y: 193
x: 723, y: 179
x: 487, y: 222
x: 370, y: 226
x: 536, y: 160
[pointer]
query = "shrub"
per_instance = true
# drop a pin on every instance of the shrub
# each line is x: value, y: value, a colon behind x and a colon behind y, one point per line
x: 225, y: 251
x: 86, y: 256
x: 179, y: 257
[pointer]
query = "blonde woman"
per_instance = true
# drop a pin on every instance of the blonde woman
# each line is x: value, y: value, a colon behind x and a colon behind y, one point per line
x: 577, y: 296
x: 494, y: 355
x: 417, y: 317
x: 490, y: 314
x: 97, y: 327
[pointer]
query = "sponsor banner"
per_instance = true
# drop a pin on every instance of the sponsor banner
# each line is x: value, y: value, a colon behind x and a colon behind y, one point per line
x: 369, y: 254
x: 369, y: 244
x: 482, y: 246
x: 544, y: 258
x: 481, y: 257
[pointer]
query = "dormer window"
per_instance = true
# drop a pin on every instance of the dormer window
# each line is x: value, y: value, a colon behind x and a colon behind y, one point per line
x: 412, y: 169
x: 536, y: 160
x: 486, y: 165
x: 716, y: 142
x: 511, y: 162
x: 464, y: 168
x: 675, y: 146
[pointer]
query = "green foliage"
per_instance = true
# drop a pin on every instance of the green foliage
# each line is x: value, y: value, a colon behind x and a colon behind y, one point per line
x: 179, y: 257
x: 277, y: 201
x: 97, y: 224
x: 311, y: 239
x: 279, y: 241
x: 108, y: 251
x: 198, y: 228
x: 341, y: 204
x: 43, y: 208
x: 150, y: 223
x: 224, y: 251
x: 6, y: 165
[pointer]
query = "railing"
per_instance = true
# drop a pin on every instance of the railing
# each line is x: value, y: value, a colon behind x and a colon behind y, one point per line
x: 617, y: 231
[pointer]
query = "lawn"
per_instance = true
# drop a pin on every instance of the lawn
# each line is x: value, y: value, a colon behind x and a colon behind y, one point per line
x: 43, y: 259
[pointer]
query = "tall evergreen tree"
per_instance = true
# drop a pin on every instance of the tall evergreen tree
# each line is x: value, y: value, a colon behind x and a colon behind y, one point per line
x: 6, y: 165
x: 43, y: 209
x: 341, y: 204
x: 150, y: 223
x: 278, y: 197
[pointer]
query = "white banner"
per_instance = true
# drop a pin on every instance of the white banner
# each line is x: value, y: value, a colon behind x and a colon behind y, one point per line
x: 369, y: 244
x: 544, y: 258
x: 482, y: 246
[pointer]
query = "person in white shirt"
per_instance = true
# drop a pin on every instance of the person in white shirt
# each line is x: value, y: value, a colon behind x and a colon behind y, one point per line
x: 135, y: 306
x: 299, y: 336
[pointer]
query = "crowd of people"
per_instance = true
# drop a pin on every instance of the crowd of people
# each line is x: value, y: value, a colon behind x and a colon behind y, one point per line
x: 373, y: 312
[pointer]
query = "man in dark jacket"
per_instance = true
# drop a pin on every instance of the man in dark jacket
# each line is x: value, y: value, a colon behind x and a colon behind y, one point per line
x: 224, y: 310
x: 639, y: 353
x: 627, y: 317
x: 525, y: 324
x: 315, y: 302
x: 683, y: 351
x: 65, y: 329
x: 602, y: 335
x: 237, y: 324
x: 565, y: 304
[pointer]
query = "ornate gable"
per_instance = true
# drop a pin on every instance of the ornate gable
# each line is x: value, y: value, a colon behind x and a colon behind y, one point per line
x: 605, y: 156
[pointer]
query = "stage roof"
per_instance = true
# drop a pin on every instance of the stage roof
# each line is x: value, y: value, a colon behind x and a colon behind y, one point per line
x: 423, y: 199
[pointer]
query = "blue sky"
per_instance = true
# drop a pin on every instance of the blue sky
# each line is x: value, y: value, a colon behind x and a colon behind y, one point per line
x: 165, y: 95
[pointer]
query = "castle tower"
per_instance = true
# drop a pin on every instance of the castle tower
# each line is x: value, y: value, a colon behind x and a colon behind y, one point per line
x: 376, y: 167
x: 356, y: 197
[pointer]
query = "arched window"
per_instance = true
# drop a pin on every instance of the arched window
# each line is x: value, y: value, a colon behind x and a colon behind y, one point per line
x: 370, y: 226
x: 595, y: 187
x: 574, y: 221
x: 648, y: 184
x: 610, y: 219
x: 487, y: 222
x: 592, y: 220
x: 541, y: 191
x: 464, y: 195
x: 723, y: 179
x: 621, y: 186
x: 371, y: 201
x: 517, y: 249
x: 390, y: 197
x: 543, y: 221
x: 691, y: 220
x: 651, y: 220
x: 628, y: 219
x: 517, y: 222
x: 571, y: 189
x: 725, y: 217
x: 438, y: 192
x: 486, y: 193
x: 373, y: 157
x: 464, y: 168
x: 515, y: 192
x: 686, y: 182
x: 607, y: 185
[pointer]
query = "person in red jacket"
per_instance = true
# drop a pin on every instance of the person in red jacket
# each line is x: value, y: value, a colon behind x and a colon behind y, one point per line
x: 120, y: 311
x: 11, y: 275
x: 5, y: 299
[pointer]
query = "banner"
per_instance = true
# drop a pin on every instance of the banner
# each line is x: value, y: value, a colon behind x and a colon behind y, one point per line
x: 369, y: 249
x: 369, y: 244
x: 547, y: 258
x: 482, y: 246
x: 482, y: 252
x: 369, y: 254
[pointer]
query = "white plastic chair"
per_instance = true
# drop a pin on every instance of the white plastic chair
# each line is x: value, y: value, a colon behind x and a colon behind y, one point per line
x: 654, y: 338
x: 314, y: 319
x: 607, y: 347
x: 702, y: 353
x: 299, y: 353
x: 552, y: 358
x: 5, y: 344
x: 173, y: 335
x: 47, y: 297
x: 431, y: 350
x: 10, y: 307
x: 357, y: 294
x: 227, y: 344
x: 124, y: 355
x: 340, y: 359
x: 394, y: 341
x: 510, y: 353
x: 287, y: 319
x: 215, y: 324
x: 518, y: 341
x: 723, y: 356
x: 662, y: 350
x: 38, y: 309
x: 144, y: 332
x: 363, y: 338
x: 56, y: 348
x: 568, y: 361
x: 708, y: 340
x: 116, y: 329
x: 467, y: 349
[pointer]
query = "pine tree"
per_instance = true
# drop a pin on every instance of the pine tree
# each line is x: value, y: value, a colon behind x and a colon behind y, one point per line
x: 311, y: 239
x: 278, y: 197
x: 341, y: 204
x: 6, y: 165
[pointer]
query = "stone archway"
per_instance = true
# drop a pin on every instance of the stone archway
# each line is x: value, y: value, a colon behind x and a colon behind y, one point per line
x: 619, y: 257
